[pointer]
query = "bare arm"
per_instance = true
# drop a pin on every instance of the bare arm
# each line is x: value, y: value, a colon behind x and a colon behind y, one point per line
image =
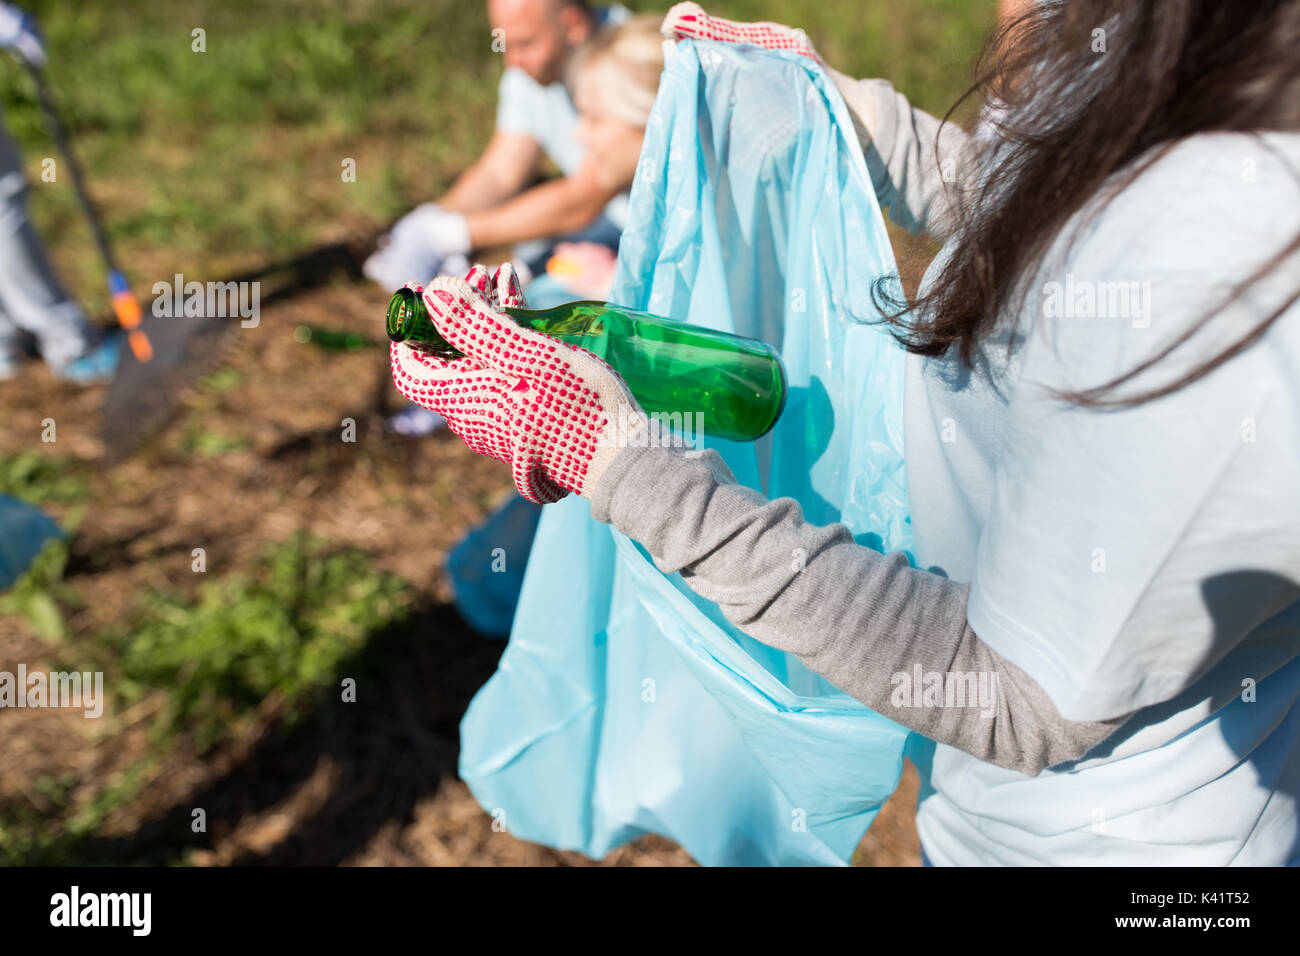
x: 549, y: 209
x: 506, y: 166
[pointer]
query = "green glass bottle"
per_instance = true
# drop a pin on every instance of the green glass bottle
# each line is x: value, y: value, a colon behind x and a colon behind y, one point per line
x: 732, y: 385
x: 331, y: 340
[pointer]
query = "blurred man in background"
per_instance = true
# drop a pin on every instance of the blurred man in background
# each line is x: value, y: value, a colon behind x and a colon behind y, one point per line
x: 32, y: 302
x: 614, y: 79
x: 490, y: 204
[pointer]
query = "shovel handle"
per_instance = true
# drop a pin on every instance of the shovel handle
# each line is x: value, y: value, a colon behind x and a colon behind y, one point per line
x: 127, y: 310
x: 125, y: 306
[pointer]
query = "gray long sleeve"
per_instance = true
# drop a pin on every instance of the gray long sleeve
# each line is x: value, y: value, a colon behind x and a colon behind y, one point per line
x: 867, y: 622
x: 917, y: 163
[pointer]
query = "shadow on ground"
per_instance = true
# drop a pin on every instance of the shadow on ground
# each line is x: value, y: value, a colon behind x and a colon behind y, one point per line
x: 383, y: 754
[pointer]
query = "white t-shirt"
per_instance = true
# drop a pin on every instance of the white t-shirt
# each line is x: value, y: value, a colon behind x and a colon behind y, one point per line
x: 547, y: 114
x: 1144, y: 558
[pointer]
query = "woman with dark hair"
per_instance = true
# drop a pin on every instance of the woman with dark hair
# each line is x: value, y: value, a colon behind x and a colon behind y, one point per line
x: 1102, y: 444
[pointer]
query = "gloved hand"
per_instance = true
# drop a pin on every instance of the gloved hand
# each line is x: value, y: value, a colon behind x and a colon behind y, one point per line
x: 18, y: 32
x: 689, y: 21
x: 426, y: 242
x: 556, y: 413
x: 430, y: 226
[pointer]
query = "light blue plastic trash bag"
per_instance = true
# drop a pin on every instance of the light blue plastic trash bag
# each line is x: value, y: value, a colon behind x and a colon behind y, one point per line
x: 486, y: 567
x: 24, y: 531
x: 624, y: 704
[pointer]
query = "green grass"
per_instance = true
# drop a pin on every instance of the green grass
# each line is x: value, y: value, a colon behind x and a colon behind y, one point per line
x: 209, y: 442
x: 41, y: 594
x: 48, y: 835
x: 282, y: 629
x: 205, y: 163
x: 42, y: 479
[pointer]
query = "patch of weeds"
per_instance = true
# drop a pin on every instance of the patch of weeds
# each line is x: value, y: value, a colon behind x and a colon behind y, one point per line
x: 205, y: 442
x: 282, y: 630
x: 222, y: 380
x: 48, y: 835
x: 41, y: 593
x: 26, y: 838
x: 41, y: 479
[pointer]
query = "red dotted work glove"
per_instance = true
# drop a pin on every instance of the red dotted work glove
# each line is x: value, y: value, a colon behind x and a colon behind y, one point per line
x: 556, y: 413
x: 689, y: 21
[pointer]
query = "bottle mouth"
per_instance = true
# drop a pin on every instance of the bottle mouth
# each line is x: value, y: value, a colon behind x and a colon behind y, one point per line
x: 401, y: 314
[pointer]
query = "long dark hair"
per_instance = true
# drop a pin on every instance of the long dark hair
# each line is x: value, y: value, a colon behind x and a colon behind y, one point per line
x: 1075, y: 117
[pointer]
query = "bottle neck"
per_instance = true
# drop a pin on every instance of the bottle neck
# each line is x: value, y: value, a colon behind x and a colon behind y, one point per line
x: 408, y: 319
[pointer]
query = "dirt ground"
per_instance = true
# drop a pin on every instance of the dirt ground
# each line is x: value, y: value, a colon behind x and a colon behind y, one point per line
x: 381, y: 790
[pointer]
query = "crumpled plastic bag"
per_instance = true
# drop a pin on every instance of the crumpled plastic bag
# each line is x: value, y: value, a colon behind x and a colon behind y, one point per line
x: 624, y: 704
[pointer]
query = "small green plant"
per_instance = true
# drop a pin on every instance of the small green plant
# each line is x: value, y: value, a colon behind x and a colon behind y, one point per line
x: 205, y: 442
x: 26, y: 839
x: 46, y: 831
x: 222, y: 380
x: 38, y: 596
x: 283, y: 630
x: 41, y: 479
